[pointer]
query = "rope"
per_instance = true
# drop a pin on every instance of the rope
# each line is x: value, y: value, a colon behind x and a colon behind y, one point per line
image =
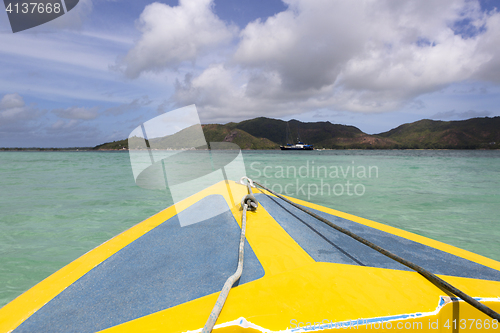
x: 248, y: 203
x: 428, y: 275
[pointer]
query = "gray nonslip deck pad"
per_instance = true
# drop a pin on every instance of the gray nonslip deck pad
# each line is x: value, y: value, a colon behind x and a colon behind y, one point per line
x: 167, y: 266
x: 325, y: 244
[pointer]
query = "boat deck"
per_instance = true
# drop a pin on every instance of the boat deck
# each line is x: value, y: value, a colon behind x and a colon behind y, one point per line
x: 297, y: 270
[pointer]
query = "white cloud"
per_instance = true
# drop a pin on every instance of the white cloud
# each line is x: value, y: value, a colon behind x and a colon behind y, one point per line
x: 26, y: 123
x: 221, y: 94
x: 70, y: 133
x: 73, y: 19
x: 453, y: 114
x: 75, y: 112
x: 64, y: 64
x: 14, y: 110
x: 359, y: 55
x: 163, y: 107
x: 10, y: 101
x: 57, y: 48
x: 64, y: 125
x: 133, y: 105
x: 23, y: 125
x: 489, y: 45
x: 172, y: 35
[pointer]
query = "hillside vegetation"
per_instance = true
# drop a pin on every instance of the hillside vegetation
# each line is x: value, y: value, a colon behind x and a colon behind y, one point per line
x: 475, y: 133
x: 267, y: 133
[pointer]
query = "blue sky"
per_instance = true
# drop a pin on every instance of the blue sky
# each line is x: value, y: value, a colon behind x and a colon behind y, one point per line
x: 96, y: 73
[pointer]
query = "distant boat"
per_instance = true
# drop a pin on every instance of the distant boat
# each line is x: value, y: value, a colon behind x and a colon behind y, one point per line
x: 295, y: 146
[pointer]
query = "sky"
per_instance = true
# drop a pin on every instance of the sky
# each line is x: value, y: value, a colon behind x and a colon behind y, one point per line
x: 96, y: 73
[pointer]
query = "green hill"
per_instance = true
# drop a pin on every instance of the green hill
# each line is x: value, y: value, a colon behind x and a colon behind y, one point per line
x: 115, y: 145
x: 475, y: 133
x: 275, y: 130
x: 225, y: 133
x: 267, y: 133
x: 190, y: 137
x: 319, y: 134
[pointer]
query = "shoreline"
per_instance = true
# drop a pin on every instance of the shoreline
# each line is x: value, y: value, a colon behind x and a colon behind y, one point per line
x: 126, y: 150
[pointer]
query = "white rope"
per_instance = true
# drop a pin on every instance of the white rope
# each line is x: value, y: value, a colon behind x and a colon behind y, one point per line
x: 249, y: 182
x: 248, y: 203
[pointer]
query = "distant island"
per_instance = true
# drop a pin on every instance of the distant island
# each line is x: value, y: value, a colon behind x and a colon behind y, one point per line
x: 267, y: 133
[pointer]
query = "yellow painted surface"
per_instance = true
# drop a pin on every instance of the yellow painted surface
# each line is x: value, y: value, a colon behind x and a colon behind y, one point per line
x: 405, y: 234
x: 453, y: 317
x: 17, y: 311
x: 295, y: 289
x: 317, y: 292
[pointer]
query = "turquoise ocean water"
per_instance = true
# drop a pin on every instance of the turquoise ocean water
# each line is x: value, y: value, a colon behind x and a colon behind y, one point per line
x: 56, y: 206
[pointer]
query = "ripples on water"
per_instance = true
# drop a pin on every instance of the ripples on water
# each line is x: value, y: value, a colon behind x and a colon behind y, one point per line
x: 55, y: 206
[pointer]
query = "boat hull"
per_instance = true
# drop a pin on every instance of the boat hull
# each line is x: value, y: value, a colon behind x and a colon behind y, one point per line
x: 296, y: 148
x: 298, y: 276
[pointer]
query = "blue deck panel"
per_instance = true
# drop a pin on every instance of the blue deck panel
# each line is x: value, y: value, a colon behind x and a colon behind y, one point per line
x: 167, y: 266
x: 171, y: 265
x: 336, y: 247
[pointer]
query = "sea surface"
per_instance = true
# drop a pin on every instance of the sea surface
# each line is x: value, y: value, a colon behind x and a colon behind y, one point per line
x: 56, y: 206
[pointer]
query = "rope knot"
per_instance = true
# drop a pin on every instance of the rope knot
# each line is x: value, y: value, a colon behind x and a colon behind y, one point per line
x: 250, y: 201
